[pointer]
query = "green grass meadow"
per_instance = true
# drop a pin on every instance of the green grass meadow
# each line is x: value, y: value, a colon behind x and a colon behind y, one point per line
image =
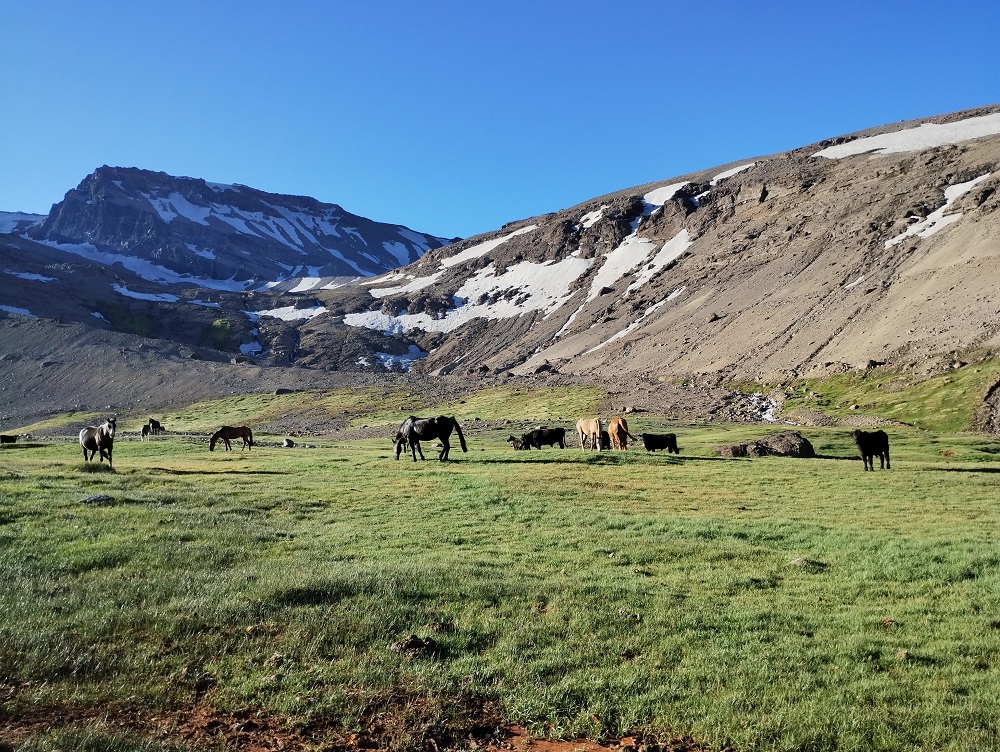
x: 772, y: 603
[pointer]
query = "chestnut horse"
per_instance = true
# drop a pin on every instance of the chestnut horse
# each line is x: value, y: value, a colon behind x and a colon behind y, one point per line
x: 618, y: 431
x: 229, y: 432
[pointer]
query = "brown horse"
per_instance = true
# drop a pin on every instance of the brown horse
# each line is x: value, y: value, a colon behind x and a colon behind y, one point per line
x: 98, y: 440
x: 589, y: 429
x: 229, y: 432
x: 618, y: 431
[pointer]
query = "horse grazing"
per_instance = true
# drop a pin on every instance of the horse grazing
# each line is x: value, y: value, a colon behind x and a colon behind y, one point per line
x: 589, y: 429
x: 229, y: 432
x: 413, y: 430
x: 144, y: 432
x: 618, y: 431
x: 870, y: 444
x: 154, y: 426
x: 98, y: 440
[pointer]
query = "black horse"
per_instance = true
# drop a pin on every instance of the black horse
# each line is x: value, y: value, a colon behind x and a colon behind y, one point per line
x: 98, y: 440
x: 871, y: 444
x: 413, y: 430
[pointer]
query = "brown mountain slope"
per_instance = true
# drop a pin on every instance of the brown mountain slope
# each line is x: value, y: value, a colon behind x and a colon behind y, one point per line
x: 792, y: 265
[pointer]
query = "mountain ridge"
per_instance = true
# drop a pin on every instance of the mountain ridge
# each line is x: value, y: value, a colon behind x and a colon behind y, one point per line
x: 211, y: 233
x: 806, y: 263
x: 852, y: 215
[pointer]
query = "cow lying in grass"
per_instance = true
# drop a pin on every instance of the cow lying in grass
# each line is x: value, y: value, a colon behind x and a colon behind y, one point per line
x: 655, y: 441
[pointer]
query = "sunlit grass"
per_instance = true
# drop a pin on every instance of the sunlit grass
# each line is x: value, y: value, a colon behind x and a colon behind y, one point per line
x: 778, y: 603
x: 943, y: 403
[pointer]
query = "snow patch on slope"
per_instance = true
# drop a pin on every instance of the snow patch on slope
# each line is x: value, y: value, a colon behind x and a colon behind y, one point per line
x: 413, y: 285
x: 730, y: 173
x: 18, y: 311
x: 287, y: 313
x: 631, y: 252
x: 592, y: 218
x: 924, y: 136
x: 30, y: 276
x: 660, y: 196
x: 937, y: 220
x: 521, y: 288
x: 482, y: 249
x: 391, y: 362
x: 638, y: 322
x: 154, y: 297
x: 672, y: 250
x: 148, y: 271
x: 18, y: 221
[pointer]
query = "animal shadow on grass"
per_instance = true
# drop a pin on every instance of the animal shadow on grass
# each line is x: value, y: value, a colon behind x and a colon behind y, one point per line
x: 174, y: 471
x: 97, y: 468
x: 962, y: 469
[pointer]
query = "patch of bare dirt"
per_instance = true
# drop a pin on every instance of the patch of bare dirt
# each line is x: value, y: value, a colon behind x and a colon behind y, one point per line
x: 392, y: 727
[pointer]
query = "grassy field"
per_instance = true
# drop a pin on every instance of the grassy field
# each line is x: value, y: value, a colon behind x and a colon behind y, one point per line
x: 777, y: 604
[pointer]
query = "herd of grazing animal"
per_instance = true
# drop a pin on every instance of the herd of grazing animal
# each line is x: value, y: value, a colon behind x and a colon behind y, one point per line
x: 99, y: 440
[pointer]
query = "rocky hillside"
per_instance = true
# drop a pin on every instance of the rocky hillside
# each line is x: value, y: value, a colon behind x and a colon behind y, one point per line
x: 230, y: 237
x: 882, y: 246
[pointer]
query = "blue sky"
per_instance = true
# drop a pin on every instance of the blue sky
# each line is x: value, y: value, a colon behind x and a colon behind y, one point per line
x: 457, y: 117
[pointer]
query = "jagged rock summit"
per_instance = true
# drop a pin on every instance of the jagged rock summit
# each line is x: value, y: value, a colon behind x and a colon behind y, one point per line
x: 185, y: 230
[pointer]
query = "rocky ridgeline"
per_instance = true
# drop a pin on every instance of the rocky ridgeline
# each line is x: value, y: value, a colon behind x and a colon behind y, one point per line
x: 216, y: 232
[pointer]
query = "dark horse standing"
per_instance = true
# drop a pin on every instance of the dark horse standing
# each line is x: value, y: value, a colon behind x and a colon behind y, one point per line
x: 98, y: 440
x: 413, y: 430
x: 871, y: 444
x: 229, y: 432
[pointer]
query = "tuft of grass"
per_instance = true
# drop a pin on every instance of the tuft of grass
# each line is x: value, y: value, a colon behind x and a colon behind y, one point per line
x: 217, y: 334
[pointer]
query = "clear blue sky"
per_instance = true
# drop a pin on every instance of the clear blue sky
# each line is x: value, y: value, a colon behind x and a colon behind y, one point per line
x: 455, y: 117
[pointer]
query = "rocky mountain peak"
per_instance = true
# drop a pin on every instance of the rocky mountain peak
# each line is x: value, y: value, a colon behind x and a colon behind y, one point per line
x: 180, y: 229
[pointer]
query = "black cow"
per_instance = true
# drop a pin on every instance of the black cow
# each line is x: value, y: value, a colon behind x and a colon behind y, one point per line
x: 870, y: 444
x: 654, y: 441
x: 547, y: 436
x: 8, y: 439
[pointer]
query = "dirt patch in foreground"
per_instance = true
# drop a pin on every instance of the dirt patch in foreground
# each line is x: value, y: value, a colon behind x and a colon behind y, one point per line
x: 205, y: 727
